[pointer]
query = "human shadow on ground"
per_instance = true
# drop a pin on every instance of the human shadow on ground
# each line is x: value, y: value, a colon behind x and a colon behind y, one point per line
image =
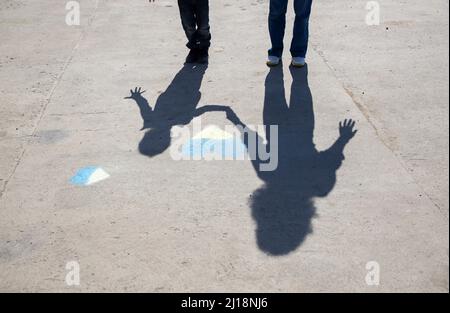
x: 284, y: 206
x: 176, y: 106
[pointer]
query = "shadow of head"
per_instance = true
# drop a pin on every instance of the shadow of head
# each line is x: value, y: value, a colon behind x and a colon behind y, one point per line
x: 155, y: 141
x: 283, y: 219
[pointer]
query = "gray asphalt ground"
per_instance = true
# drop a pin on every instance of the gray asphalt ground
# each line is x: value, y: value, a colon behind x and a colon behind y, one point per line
x: 160, y: 225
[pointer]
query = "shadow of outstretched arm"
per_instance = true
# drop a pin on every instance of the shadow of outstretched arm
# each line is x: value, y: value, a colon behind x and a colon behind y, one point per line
x: 253, y: 142
x: 331, y: 159
x: 144, y: 107
x: 211, y: 108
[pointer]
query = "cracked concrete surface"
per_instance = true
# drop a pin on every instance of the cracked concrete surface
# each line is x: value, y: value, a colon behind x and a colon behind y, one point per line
x: 159, y: 225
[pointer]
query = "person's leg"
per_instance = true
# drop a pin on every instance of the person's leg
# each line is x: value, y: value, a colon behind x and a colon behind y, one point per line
x: 299, y: 45
x: 277, y: 26
x: 187, y: 13
x: 203, y: 34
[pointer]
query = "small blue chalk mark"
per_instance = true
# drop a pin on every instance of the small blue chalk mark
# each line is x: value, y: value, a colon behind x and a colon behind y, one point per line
x: 88, y: 176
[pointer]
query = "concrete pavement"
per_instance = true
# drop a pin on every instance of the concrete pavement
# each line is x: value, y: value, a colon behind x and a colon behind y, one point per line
x: 161, y: 225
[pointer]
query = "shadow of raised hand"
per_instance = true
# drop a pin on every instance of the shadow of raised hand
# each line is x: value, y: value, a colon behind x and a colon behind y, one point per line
x: 136, y: 94
x: 144, y: 108
x: 346, y: 129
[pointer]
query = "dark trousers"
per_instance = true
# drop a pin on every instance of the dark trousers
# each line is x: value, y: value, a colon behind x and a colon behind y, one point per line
x: 195, y: 20
x: 277, y: 26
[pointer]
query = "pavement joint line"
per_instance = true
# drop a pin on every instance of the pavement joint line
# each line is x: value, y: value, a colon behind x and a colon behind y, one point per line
x: 65, y: 66
x: 50, y: 96
x: 365, y: 112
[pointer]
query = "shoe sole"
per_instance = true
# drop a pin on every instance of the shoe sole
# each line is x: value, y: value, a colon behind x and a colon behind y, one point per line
x: 298, y: 65
x: 273, y: 64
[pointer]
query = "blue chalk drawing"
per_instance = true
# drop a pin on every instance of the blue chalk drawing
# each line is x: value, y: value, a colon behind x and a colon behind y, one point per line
x: 88, y: 176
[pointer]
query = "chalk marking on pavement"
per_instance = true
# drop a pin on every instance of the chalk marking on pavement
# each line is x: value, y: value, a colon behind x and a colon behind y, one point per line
x: 89, y: 175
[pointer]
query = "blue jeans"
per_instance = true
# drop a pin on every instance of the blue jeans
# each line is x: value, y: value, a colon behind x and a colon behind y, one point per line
x: 277, y: 26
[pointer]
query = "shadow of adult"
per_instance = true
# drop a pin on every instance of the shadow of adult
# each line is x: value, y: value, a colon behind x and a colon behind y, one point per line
x: 283, y: 207
x: 176, y: 106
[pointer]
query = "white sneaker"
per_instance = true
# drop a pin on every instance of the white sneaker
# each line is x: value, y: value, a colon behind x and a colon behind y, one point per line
x: 298, y: 62
x: 273, y: 60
